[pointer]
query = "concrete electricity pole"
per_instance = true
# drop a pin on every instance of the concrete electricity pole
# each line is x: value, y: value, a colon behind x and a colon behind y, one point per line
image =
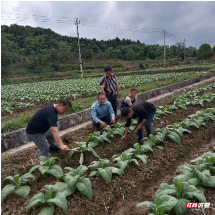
x: 164, y: 49
x: 184, y: 48
x: 78, y: 22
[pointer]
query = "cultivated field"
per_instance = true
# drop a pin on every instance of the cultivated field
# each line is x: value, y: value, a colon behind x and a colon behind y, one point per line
x: 107, y: 176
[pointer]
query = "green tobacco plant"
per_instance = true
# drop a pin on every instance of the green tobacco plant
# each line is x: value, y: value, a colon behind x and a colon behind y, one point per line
x: 95, y: 138
x: 53, y: 196
x: 139, y: 151
x: 207, y: 159
x: 124, y: 160
x: 18, y: 185
x: 162, y: 206
x: 183, y: 192
x: 100, y: 168
x: 196, y: 175
x: 47, y: 167
x: 82, y: 147
x: 75, y: 180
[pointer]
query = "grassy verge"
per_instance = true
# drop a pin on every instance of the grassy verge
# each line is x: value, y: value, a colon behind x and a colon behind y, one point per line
x: 82, y: 104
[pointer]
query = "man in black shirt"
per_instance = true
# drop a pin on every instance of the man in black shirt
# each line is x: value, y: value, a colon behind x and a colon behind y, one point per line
x: 43, y: 126
x: 142, y: 110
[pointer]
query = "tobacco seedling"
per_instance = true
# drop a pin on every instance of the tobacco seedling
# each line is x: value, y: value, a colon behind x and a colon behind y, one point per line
x: 18, y: 185
x: 100, y: 168
x: 47, y: 167
x: 53, y: 196
x: 82, y: 147
x: 124, y: 160
x: 75, y: 180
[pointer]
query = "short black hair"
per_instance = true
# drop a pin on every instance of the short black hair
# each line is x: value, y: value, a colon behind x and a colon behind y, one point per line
x: 100, y: 94
x: 108, y: 69
x: 65, y: 102
x: 125, y: 111
x: 133, y: 90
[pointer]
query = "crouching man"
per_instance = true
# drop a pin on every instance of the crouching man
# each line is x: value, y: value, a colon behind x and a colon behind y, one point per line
x: 43, y: 126
x: 142, y: 110
x: 102, y: 112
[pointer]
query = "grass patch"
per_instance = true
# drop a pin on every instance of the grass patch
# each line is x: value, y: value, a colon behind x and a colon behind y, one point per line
x: 15, y: 124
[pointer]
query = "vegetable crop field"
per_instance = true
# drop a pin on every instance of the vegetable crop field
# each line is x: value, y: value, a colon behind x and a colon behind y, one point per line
x: 104, y: 176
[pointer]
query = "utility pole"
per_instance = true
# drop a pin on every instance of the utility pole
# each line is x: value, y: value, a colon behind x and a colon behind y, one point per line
x: 78, y: 22
x: 184, y: 48
x: 164, y: 50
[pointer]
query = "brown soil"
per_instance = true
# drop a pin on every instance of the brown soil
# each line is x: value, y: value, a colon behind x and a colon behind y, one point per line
x: 138, y: 184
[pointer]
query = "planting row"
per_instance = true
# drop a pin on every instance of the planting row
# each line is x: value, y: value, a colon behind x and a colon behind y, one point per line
x: 53, y: 90
x: 74, y: 180
x: 10, y: 106
x: 188, y: 186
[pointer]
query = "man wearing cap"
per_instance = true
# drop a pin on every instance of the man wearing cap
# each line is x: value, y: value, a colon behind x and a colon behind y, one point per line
x: 110, y: 88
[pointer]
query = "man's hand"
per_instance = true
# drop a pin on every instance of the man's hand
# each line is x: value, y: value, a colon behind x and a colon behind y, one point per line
x: 64, y: 148
x: 103, y: 124
x: 118, y: 94
x: 112, y: 120
x: 139, y: 127
x: 123, y: 138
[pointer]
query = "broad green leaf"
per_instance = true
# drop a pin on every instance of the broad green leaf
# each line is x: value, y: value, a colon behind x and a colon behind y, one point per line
x: 168, y: 202
x: 106, y: 174
x: 28, y: 175
x: 36, y: 199
x: 143, y: 158
x: 193, y: 191
x: 160, y: 147
x: 92, y: 144
x: 8, y: 189
x: 122, y: 164
x: 9, y: 178
x: 47, y: 211
x: 94, y: 173
x: 71, y: 181
x: 56, y: 171
x: 63, y: 188
x: 23, y: 191
x: 81, y: 169
x: 59, y: 200
x: 180, y: 207
x: 117, y: 171
x: 34, y: 168
x: 43, y: 169
x: 85, y: 187
x: 175, y: 137
x: 150, y: 205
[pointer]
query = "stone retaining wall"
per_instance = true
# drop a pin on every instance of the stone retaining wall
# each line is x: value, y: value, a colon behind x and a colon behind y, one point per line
x: 16, y: 138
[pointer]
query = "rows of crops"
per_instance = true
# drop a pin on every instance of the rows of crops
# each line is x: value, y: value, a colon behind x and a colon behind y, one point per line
x: 53, y: 90
x: 76, y: 179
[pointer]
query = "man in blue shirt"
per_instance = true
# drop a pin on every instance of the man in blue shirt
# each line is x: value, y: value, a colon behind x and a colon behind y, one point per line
x: 102, y: 112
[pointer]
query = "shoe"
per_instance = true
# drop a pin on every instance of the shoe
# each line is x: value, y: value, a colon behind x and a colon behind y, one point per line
x: 55, y: 149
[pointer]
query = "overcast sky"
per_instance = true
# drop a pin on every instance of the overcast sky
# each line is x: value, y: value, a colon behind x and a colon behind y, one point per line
x: 194, y: 21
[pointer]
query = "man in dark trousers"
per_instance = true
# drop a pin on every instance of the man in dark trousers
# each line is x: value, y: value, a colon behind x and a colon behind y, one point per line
x: 142, y: 110
x: 43, y: 126
x: 102, y: 112
x: 110, y: 88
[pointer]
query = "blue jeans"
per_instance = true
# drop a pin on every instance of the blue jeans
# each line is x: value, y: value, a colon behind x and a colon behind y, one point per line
x: 147, y: 126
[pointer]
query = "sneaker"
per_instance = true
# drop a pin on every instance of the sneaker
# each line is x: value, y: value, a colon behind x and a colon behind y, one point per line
x: 54, y: 149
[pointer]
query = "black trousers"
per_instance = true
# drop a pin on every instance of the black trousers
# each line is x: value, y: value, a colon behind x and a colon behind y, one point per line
x: 106, y: 119
x: 113, y: 100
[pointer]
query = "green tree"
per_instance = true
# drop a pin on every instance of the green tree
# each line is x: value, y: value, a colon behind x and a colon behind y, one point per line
x: 130, y: 55
x: 205, y: 51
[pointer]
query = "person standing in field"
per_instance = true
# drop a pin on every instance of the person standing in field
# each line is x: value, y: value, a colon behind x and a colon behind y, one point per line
x: 102, y: 112
x: 128, y: 101
x: 142, y: 110
x: 110, y: 88
x: 42, y: 128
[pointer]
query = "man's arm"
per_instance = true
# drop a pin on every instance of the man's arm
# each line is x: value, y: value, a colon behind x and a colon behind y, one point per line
x: 128, y: 101
x: 94, y: 114
x: 58, y: 139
